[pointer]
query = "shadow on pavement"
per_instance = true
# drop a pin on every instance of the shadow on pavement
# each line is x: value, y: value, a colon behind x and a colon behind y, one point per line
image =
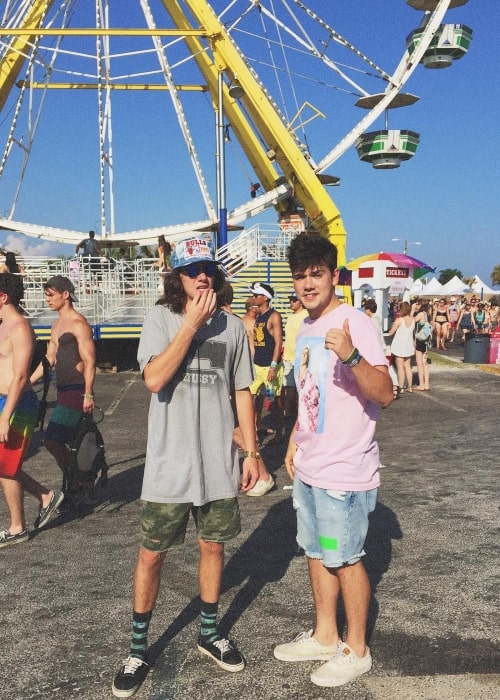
x: 384, y: 527
x: 263, y: 558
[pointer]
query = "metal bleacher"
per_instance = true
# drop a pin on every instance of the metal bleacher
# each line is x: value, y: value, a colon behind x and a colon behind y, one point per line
x: 115, y: 295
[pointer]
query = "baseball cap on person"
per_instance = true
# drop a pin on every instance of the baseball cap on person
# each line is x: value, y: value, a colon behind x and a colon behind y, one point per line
x: 192, y: 250
x: 61, y: 284
x: 292, y: 297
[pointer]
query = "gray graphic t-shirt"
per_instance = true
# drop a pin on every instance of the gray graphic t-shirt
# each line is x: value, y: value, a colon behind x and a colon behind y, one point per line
x: 190, y: 455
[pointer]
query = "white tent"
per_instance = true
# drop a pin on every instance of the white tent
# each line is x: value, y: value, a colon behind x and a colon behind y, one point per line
x: 417, y: 287
x: 455, y: 286
x: 432, y: 288
x: 479, y: 287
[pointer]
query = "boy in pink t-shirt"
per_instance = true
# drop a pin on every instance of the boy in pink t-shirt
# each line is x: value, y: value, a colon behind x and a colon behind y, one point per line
x: 332, y: 457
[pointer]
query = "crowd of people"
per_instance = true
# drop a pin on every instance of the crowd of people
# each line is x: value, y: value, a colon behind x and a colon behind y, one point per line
x: 423, y: 324
x: 206, y: 387
x: 209, y: 374
x: 454, y: 318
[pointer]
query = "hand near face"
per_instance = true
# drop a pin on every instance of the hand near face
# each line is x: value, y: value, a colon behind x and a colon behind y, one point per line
x: 339, y: 340
x: 201, y: 308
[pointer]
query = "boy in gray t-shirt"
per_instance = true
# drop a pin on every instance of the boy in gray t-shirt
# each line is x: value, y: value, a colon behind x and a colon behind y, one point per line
x: 196, y: 362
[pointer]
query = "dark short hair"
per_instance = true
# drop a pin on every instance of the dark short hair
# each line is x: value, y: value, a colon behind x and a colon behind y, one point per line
x: 61, y: 284
x: 371, y: 305
x: 13, y: 286
x: 311, y: 250
x: 225, y: 294
x: 174, y: 295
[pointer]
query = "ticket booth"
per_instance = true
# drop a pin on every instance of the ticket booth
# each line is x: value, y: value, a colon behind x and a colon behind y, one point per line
x: 386, y: 279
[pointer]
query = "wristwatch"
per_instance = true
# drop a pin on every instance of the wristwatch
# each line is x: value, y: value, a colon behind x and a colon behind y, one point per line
x: 353, y: 359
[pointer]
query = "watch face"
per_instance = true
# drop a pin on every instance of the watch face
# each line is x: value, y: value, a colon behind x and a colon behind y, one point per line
x: 355, y: 361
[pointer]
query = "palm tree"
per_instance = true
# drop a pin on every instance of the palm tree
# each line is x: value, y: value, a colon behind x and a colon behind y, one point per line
x: 448, y: 274
x: 495, y: 275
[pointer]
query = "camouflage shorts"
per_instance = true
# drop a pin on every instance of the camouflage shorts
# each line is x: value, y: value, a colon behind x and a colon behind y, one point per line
x: 163, y: 525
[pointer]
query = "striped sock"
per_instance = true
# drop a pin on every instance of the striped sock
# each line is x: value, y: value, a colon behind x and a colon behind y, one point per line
x: 140, y: 627
x: 208, y: 622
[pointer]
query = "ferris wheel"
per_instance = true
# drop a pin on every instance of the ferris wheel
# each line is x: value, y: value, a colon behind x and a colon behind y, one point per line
x: 266, y: 90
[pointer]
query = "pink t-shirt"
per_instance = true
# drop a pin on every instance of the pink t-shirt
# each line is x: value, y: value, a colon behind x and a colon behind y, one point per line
x: 336, y: 423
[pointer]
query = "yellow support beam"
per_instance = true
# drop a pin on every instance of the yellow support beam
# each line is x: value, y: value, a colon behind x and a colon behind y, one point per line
x: 15, y: 56
x: 111, y: 86
x: 92, y: 31
x: 279, y: 141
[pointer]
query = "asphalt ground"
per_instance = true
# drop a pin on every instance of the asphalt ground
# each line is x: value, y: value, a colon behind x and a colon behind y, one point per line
x: 432, y: 557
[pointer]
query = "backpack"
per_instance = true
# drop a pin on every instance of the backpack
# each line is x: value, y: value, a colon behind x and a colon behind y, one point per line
x: 424, y: 333
x: 42, y: 410
x: 87, y: 468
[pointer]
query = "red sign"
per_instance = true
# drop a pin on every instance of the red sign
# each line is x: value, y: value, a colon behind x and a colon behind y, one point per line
x: 365, y: 272
x: 397, y: 272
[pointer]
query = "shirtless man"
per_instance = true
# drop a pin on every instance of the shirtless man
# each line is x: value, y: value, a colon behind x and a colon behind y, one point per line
x: 71, y: 350
x: 18, y: 416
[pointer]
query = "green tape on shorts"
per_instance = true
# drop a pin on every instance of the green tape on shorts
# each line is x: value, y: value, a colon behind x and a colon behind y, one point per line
x: 328, y: 542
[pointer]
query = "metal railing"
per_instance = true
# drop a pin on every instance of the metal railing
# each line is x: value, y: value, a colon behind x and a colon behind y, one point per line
x: 113, y: 291
x: 261, y: 242
x: 107, y: 290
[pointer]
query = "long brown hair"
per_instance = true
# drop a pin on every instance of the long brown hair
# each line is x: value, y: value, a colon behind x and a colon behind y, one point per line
x: 174, y: 295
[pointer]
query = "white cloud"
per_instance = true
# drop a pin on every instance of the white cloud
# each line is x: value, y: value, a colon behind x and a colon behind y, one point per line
x: 30, y: 247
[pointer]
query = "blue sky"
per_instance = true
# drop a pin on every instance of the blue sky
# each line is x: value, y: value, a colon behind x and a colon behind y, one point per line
x: 447, y: 197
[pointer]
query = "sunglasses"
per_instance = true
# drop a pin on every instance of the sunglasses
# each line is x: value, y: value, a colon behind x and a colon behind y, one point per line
x: 196, y: 269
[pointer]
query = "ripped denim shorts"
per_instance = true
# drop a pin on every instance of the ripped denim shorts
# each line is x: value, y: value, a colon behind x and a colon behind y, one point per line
x: 332, y: 525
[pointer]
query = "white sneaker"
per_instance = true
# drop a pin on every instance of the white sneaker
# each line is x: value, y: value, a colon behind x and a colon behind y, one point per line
x: 345, y: 666
x: 261, y: 487
x: 305, y: 648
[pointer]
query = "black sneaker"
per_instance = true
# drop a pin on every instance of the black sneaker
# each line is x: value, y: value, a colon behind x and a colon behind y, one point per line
x: 47, y: 513
x: 224, y: 653
x: 7, y: 539
x: 130, y: 677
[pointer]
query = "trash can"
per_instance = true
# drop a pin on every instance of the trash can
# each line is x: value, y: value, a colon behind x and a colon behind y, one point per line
x: 494, y: 356
x: 477, y: 349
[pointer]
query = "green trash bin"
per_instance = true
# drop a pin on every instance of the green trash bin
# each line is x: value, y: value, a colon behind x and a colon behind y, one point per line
x: 477, y: 349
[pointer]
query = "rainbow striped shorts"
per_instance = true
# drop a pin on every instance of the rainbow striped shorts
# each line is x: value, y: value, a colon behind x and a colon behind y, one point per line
x: 22, y: 424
